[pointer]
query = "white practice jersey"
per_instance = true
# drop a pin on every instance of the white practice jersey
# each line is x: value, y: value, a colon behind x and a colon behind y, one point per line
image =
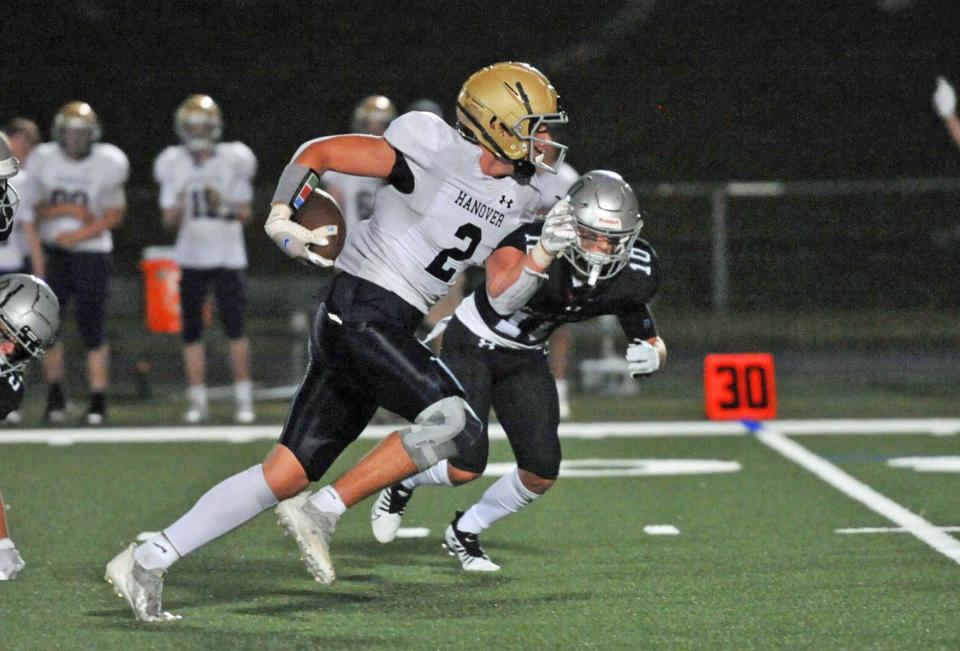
x: 95, y: 182
x: 355, y: 194
x: 207, y: 193
x: 14, y: 250
x: 554, y: 187
x: 416, y: 244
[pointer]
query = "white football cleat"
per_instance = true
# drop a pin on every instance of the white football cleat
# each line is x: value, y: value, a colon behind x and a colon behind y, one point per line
x: 195, y: 414
x: 313, y: 530
x: 140, y: 587
x: 11, y: 563
x: 386, y: 516
x: 244, y: 415
x: 14, y: 417
x: 466, y: 547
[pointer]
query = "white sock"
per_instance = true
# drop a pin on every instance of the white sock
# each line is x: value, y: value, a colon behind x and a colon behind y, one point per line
x: 507, y: 495
x: 6, y: 543
x: 243, y: 394
x: 157, y: 553
x: 562, y: 390
x: 327, y: 500
x: 221, y: 509
x: 435, y: 475
x: 197, y: 394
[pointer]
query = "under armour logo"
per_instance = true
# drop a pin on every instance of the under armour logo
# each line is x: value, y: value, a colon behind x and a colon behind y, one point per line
x: 486, y: 344
x: 504, y: 200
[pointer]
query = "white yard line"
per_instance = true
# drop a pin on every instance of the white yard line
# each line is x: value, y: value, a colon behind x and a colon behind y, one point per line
x: 666, y: 429
x: 855, y: 530
x: 856, y: 489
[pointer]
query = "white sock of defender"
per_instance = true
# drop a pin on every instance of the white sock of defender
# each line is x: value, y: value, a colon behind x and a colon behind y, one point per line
x: 507, y: 495
x: 197, y: 395
x: 435, y: 475
x: 327, y: 500
x: 243, y: 394
x: 221, y: 509
x: 563, y: 390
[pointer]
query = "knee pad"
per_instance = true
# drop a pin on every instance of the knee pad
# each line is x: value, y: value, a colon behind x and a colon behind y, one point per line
x: 442, y: 430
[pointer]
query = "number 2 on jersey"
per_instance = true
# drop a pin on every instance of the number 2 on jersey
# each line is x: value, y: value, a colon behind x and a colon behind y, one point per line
x: 472, y: 235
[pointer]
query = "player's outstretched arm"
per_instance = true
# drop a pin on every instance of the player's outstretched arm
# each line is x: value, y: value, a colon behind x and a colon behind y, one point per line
x: 513, y: 276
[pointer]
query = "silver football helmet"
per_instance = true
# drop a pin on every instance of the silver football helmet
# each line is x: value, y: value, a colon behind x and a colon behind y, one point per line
x: 608, y: 223
x: 9, y: 199
x: 29, y: 317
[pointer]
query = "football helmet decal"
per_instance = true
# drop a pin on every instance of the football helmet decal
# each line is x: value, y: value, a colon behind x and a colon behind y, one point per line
x: 198, y: 122
x: 608, y: 222
x: 9, y: 199
x: 503, y: 108
x: 76, y: 128
x: 29, y: 317
x: 373, y: 115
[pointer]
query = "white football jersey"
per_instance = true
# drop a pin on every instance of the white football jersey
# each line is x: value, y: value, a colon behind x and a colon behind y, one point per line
x: 554, y: 187
x: 356, y: 196
x: 95, y: 182
x: 14, y: 250
x: 206, y: 193
x: 416, y: 244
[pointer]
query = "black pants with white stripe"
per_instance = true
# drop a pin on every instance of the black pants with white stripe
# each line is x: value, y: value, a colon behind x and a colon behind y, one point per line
x: 520, y: 388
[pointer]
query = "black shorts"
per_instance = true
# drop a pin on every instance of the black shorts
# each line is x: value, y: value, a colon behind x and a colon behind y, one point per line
x: 86, y: 278
x: 229, y: 290
x: 521, y: 390
x: 363, y: 356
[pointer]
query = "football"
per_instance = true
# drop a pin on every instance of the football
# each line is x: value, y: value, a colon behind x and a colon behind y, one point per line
x: 320, y: 210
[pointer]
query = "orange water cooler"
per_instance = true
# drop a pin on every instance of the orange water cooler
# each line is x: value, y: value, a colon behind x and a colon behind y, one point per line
x: 161, y: 288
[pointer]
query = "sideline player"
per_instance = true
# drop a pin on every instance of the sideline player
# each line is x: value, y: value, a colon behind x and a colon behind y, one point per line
x: 77, y: 186
x: 495, y: 345
x: 452, y: 196
x: 355, y: 194
x: 23, y: 136
x: 206, y: 187
x: 29, y: 319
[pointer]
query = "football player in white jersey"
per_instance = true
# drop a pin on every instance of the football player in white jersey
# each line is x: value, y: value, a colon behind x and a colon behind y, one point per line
x: 452, y: 196
x: 206, y: 187
x: 29, y: 320
x: 78, y: 194
x: 355, y: 194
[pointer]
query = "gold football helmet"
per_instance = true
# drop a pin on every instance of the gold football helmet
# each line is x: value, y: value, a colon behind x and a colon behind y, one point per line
x: 373, y: 115
x: 75, y: 128
x: 198, y: 122
x: 504, y: 107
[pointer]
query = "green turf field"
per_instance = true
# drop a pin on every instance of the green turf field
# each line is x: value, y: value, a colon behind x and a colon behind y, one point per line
x: 757, y: 563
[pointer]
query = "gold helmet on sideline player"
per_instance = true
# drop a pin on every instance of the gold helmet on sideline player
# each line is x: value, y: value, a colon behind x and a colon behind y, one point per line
x: 76, y: 128
x: 198, y: 122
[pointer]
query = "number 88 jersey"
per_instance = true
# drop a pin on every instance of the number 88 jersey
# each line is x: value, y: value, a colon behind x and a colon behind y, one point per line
x: 446, y: 216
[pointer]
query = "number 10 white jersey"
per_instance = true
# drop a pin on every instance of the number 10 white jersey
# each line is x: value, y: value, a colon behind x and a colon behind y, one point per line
x: 416, y: 244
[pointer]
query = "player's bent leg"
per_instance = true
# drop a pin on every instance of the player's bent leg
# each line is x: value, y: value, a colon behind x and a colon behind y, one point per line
x: 444, y: 429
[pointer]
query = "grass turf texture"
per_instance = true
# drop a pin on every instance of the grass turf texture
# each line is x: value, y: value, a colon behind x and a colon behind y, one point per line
x: 757, y: 564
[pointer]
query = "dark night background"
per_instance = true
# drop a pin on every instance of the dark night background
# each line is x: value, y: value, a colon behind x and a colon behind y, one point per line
x: 659, y: 90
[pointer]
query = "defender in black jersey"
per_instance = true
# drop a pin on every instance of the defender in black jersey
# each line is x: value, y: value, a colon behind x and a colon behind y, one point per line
x: 497, y: 349
x: 29, y: 320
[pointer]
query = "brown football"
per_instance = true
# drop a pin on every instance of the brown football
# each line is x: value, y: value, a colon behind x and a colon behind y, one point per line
x: 320, y: 210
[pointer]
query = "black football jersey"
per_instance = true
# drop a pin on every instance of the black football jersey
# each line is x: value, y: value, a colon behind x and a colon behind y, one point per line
x: 11, y: 393
x: 566, y: 298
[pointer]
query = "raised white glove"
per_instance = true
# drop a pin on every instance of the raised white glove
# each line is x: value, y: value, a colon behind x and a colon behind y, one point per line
x: 10, y: 562
x: 643, y: 358
x: 944, y: 98
x: 559, y: 228
x: 292, y: 238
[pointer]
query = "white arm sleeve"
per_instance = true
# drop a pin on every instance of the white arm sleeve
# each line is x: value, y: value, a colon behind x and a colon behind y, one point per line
x: 516, y: 295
